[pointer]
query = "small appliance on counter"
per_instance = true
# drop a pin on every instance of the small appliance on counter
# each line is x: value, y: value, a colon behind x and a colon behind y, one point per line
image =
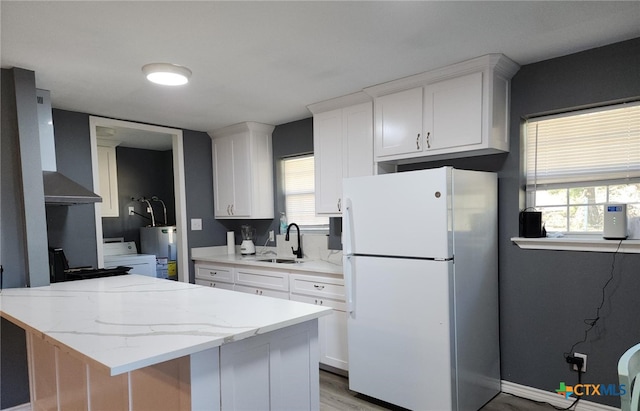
x: 615, y: 222
x: 60, y: 271
x: 126, y: 254
x: 247, y: 247
x: 531, y: 224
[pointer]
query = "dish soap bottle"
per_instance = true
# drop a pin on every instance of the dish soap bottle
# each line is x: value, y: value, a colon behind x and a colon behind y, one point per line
x: 283, y: 223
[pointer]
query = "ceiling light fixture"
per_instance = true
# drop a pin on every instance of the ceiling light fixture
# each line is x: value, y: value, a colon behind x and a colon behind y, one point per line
x: 166, y: 74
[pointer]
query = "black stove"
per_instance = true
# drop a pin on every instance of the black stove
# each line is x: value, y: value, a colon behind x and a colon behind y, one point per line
x: 59, y: 270
x: 85, y: 273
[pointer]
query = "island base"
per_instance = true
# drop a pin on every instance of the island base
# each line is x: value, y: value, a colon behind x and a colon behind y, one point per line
x: 275, y: 370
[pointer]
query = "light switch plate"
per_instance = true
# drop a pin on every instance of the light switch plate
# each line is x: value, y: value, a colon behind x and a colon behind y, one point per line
x: 196, y: 224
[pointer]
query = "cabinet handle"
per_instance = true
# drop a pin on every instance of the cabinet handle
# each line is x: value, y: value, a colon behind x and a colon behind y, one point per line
x: 418, y: 142
x: 213, y: 272
x: 428, y: 143
x: 319, y: 287
x: 228, y: 209
x: 339, y: 204
x: 231, y: 209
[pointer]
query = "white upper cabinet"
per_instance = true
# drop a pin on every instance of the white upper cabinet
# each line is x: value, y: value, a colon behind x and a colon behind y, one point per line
x: 399, y: 123
x: 343, y: 147
x: 457, y: 111
x: 453, y: 113
x: 108, y: 178
x: 243, y: 171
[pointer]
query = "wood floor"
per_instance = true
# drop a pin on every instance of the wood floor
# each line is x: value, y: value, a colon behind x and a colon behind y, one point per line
x: 336, y: 396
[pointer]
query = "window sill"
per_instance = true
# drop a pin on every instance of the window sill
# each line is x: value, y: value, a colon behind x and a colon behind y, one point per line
x: 578, y: 244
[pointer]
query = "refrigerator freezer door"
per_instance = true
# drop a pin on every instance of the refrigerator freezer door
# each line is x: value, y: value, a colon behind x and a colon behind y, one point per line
x: 400, y: 344
x: 401, y: 214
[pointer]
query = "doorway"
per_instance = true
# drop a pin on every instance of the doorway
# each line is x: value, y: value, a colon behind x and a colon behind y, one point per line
x: 147, y: 137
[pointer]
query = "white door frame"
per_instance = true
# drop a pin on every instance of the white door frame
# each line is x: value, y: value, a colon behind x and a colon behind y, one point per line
x: 178, y: 181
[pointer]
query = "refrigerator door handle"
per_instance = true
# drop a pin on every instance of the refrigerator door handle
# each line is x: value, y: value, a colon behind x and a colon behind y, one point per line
x: 348, y: 283
x: 347, y: 229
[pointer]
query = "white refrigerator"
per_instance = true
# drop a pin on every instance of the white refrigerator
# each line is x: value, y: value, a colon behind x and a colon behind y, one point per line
x: 421, y: 276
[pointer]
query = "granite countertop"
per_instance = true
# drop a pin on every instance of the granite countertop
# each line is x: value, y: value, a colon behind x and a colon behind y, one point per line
x: 306, y: 265
x: 128, y: 322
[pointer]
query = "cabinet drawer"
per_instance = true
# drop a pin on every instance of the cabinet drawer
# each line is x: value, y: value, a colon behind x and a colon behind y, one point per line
x: 275, y: 280
x: 262, y: 291
x: 216, y: 284
x: 325, y: 302
x: 212, y: 272
x: 321, y: 287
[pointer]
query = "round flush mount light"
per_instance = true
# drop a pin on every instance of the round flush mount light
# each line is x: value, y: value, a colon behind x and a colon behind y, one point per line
x: 166, y: 74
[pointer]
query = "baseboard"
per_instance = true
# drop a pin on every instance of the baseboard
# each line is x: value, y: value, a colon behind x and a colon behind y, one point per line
x: 22, y: 407
x: 536, y: 394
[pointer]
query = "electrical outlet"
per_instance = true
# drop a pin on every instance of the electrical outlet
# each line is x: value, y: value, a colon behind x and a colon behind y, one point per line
x: 584, y: 364
x: 131, y: 210
x: 196, y: 224
x: 272, y: 236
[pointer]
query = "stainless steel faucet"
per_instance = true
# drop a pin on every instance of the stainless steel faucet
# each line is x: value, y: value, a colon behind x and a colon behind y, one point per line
x: 297, y: 252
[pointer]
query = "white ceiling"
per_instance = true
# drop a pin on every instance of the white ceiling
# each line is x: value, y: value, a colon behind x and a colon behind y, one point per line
x: 266, y: 61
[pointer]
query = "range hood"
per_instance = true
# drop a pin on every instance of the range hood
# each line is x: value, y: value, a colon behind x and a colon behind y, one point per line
x: 58, y: 189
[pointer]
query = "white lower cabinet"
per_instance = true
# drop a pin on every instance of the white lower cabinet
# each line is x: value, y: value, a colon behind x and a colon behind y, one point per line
x: 270, y: 283
x: 261, y: 291
x: 213, y: 275
x: 332, y: 329
x: 275, y: 371
x: 216, y: 284
x: 307, y: 288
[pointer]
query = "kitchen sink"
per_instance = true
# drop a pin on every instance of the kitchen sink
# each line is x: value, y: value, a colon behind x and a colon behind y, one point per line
x: 279, y: 260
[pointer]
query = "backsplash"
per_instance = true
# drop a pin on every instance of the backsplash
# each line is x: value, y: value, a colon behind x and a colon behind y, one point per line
x: 314, y: 247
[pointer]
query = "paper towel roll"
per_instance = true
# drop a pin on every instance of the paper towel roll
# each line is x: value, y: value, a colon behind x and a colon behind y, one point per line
x: 231, y: 242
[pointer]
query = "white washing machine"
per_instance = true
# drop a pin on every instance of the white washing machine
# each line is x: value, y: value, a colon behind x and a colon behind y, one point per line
x: 126, y: 254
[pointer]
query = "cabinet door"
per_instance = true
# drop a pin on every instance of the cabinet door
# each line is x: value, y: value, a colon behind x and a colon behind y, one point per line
x: 241, y: 175
x: 357, y: 127
x: 223, y: 179
x: 108, y: 174
x: 232, y: 176
x: 399, y: 123
x: 261, y: 291
x: 214, y: 273
x: 332, y: 331
x: 453, y: 113
x: 327, y: 145
x: 332, y: 336
x: 214, y: 284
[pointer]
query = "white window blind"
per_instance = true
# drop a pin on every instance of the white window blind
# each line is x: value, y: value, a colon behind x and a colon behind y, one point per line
x: 299, y: 191
x: 596, y: 145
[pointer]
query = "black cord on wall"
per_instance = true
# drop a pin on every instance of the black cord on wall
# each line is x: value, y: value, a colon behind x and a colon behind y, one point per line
x: 591, y: 322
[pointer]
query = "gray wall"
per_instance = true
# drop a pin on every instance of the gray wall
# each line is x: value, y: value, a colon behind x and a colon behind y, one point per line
x: 199, y: 191
x: 294, y: 139
x: 546, y: 295
x: 14, y: 387
x: 141, y: 173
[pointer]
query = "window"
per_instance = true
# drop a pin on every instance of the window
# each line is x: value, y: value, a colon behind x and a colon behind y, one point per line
x: 576, y: 162
x: 299, y: 192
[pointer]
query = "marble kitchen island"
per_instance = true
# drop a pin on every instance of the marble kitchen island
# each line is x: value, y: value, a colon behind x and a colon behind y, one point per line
x: 138, y: 343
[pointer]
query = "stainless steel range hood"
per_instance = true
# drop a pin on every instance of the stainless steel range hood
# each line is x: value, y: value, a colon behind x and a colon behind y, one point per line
x: 58, y: 189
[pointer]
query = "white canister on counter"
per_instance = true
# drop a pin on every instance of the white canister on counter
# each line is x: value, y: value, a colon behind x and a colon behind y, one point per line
x: 231, y: 242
